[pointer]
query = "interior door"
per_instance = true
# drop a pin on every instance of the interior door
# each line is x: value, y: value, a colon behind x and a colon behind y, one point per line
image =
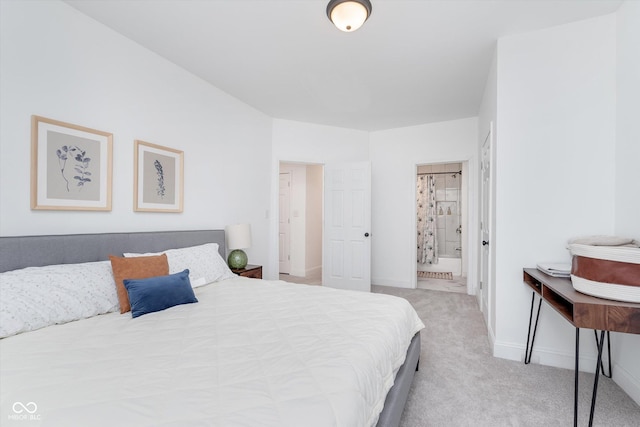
x: 485, y: 224
x: 284, y: 232
x: 347, y: 215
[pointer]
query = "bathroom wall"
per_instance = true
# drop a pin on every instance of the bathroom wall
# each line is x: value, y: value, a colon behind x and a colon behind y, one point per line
x: 448, y: 208
x: 449, y: 220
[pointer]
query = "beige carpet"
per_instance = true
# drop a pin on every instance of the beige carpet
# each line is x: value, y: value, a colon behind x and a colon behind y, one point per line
x: 461, y: 384
x: 315, y: 279
x: 458, y: 284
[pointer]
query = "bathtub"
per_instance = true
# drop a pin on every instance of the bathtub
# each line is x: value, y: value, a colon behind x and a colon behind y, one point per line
x: 444, y: 265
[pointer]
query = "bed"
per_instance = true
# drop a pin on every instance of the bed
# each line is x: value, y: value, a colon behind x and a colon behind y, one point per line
x: 250, y: 352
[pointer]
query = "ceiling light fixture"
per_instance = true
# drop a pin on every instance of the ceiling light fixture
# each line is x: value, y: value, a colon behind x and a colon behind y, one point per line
x: 348, y: 15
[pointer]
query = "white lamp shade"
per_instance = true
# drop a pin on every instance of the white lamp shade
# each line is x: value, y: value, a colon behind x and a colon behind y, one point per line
x: 238, y: 236
x: 349, y: 15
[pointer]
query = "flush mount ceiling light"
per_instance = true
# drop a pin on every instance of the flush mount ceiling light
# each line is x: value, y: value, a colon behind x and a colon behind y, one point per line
x: 348, y: 15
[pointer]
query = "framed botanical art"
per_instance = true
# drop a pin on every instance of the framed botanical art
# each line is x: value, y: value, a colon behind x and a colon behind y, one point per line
x: 159, y: 178
x: 71, y: 166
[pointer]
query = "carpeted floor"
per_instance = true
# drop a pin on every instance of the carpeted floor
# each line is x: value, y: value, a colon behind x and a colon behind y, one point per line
x: 457, y: 284
x: 461, y: 384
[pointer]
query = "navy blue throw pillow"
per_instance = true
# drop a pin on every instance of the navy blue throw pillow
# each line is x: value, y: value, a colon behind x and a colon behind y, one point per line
x: 159, y: 293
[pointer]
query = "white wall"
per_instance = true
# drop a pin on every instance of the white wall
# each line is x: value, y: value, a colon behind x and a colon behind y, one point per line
x: 394, y: 156
x: 58, y: 63
x: 555, y: 160
x: 308, y: 143
x: 313, y: 247
x: 627, y: 194
x: 625, y: 347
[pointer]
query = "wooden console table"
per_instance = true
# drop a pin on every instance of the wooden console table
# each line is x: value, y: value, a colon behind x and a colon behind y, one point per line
x: 582, y: 311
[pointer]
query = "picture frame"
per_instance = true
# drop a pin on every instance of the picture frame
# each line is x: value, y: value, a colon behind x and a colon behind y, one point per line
x: 71, y: 166
x: 158, y: 178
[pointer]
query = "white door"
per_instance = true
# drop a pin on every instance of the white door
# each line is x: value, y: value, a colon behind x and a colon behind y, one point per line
x: 347, y: 216
x: 485, y: 227
x: 284, y: 237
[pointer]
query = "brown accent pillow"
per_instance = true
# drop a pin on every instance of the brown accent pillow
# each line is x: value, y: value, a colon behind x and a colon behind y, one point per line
x: 135, y: 268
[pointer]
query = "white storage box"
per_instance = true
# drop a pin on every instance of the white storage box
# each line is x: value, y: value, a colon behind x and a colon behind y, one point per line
x: 611, y: 272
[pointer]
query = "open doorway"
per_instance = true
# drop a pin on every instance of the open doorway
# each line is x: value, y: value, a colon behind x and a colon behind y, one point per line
x: 300, y: 222
x: 441, y: 226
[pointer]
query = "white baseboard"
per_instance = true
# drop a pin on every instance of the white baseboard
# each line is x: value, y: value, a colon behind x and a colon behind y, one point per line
x: 550, y: 357
x: 492, y: 339
x: 391, y: 282
x: 543, y: 356
x: 627, y: 382
x: 508, y: 351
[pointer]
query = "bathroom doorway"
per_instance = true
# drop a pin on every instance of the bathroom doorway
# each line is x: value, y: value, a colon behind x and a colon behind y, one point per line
x: 441, y: 226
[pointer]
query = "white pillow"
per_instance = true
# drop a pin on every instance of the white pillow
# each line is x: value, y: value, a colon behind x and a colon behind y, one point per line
x: 35, y: 297
x: 203, y: 261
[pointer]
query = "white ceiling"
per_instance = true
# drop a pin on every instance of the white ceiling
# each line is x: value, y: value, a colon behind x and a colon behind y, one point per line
x: 412, y: 62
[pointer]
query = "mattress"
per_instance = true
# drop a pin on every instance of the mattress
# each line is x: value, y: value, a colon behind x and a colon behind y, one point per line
x: 249, y: 353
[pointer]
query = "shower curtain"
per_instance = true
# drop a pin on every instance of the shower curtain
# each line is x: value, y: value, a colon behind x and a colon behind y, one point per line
x: 426, y: 203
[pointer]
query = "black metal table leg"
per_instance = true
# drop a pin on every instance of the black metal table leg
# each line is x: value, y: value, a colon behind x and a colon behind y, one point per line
x: 575, y: 395
x: 528, y: 351
x: 608, y: 353
x: 595, y: 381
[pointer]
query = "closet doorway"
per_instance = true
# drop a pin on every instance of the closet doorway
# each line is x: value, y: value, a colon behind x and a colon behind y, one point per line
x: 300, y: 222
x: 441, y: 226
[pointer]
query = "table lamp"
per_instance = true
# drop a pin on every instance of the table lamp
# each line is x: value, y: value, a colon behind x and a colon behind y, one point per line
x: 238, y: 238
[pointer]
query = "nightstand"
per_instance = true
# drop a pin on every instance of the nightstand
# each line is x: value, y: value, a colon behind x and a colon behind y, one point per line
x: 252, y: 271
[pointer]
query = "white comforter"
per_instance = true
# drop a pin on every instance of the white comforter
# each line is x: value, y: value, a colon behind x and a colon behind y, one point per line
x: 250, y: 353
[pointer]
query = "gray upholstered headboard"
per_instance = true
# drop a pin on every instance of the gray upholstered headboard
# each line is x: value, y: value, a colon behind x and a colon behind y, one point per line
x: 27, y: 251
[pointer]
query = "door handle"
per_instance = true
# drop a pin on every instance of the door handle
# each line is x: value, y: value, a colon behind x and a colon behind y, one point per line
x: 485, y: 242
x: 366, y: 234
